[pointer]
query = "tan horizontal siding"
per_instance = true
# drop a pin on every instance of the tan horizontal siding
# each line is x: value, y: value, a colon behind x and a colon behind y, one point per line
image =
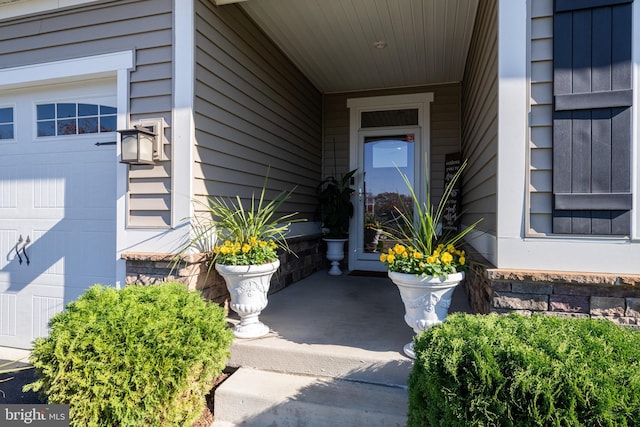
x: 540, y: 118
x: 480, y: 121
x: 253, y: 111
x: 102, y: 27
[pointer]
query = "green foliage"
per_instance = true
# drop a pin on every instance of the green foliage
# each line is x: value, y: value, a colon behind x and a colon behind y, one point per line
x: 420, y: 233
x: 525, y: 371
x: 232, y: 226
x: 335, y: 204
x: 132, y: 357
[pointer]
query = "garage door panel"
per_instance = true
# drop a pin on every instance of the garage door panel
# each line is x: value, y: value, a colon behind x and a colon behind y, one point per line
x: 61, y: 192
x: 98, y: 175
x: 8, y: 187
x: 43, y: 309
x: 49, y: 189
x: 8, y: 240
x: 8, y: 315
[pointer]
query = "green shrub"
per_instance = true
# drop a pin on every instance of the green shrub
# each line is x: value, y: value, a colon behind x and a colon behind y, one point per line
x: 132, y: 357
x: 525, y: 371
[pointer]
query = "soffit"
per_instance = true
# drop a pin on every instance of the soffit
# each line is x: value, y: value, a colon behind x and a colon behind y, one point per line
x: 332, y: 41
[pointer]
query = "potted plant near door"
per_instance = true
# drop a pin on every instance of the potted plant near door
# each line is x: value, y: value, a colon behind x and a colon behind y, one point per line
x: 425, y: 265
x: 336, y: 209
x: 245, y: 243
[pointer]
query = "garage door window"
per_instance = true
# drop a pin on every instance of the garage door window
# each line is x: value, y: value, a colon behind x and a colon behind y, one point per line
x: 6, y: 123
x: 74, y: 119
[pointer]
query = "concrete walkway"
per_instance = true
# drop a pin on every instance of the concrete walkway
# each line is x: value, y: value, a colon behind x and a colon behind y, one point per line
x: 329, y: 336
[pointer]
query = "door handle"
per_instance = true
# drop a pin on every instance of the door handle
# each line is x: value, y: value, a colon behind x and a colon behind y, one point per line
x: 24, y: 249
x: 17, y: 249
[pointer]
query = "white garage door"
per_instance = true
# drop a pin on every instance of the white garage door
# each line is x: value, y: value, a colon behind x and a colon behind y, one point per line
x: 57, y: 201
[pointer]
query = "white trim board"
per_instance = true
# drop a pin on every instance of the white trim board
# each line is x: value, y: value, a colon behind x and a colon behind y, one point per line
x: 66, y: 70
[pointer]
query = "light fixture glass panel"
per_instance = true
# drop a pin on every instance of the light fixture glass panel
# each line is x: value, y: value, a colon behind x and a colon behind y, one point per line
x: 129, y: 147
x: 146, y: 148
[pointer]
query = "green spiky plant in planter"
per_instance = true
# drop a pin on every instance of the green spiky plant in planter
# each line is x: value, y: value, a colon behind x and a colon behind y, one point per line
x: 336, y: 210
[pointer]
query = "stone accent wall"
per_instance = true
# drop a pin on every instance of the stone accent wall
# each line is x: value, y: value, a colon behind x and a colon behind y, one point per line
x: 567, y: 294
x: 477, y: 284
x: 194, y: 272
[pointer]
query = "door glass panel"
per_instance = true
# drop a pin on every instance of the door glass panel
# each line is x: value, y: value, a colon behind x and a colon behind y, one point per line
x: 385, y: 118
x: 384, y: 189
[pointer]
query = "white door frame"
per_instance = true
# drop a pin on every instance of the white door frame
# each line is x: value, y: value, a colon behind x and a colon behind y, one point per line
x: 420, y: 101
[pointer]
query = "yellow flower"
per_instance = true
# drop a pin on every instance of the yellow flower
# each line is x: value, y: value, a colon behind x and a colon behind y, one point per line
x: 272, y: 245
x: 399, y: 249
x: 446, y: 258
x: 417, y: 255
x: 391, y: 258
x: 462, y: 260
x: 451, y: 248
x: 253, y: 241
x: 383, y: 257
x: 246, y: 248
x: 262, y: 244
x: 432, y: 259
x: 216, y: 249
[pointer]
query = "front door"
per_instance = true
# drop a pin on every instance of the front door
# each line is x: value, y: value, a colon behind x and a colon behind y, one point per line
x: 389, y: 138
x: 382, y: 193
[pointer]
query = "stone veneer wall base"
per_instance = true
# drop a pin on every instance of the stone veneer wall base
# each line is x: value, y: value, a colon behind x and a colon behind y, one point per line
x: 193, y: 270
x: 567, y: 294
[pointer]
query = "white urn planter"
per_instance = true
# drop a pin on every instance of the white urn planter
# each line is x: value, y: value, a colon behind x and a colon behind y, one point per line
x: 248, y: 286
x: 426, y: 300
x: 335, y: 254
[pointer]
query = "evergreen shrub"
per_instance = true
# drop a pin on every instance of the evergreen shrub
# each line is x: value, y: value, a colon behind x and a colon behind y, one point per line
x: 133, y: 357
x: 512, y: 370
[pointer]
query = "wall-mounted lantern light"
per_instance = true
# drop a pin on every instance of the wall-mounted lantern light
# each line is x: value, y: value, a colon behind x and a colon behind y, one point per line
x: 144, y: 143
x: 137, y: 146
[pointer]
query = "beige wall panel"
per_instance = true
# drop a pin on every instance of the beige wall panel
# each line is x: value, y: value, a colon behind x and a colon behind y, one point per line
x: 539, y: 221
x: 542, y: 159
x: 540, y: 203
x: 541, y: 181
x: 541, y: 72
x: 540, y: 115
x: 541, y: 50
x: 147, y: 203
x: 541, y: 8
x: 541, y: 93
x: 253, y: 109
x: 479, y: 121
x: 149, y: 186
x: 541, y: 137
x: 540, y: 131
x: 541, y: 28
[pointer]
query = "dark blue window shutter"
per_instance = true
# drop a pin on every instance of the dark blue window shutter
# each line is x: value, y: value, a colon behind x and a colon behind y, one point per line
x: 592, y: 117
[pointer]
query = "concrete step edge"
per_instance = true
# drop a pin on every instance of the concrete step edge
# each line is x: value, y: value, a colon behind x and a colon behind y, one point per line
x: 252, y: 397
x: 339, y: 364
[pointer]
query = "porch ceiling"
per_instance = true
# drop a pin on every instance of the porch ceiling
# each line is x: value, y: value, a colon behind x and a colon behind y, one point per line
x: 333, y: 41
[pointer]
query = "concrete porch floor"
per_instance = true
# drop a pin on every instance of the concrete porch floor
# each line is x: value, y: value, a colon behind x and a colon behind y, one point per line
x: 347, y: 327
